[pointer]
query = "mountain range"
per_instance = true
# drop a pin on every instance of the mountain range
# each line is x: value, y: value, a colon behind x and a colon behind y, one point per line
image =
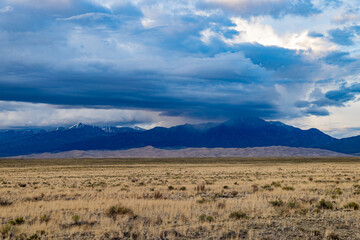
x: 236, y: 133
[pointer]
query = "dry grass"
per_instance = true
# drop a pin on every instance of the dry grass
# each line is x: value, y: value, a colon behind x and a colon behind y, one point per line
x: 180, y: 199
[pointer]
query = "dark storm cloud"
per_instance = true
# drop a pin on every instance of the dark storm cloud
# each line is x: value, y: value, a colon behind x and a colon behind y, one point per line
x: 336, y: 98
x: 196, y: 93
x: 138, y: 57
x: 276, y: 58
x: 344, y: 94
x: 317, y: 111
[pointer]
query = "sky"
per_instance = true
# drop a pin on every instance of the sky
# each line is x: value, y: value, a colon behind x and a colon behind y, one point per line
x: 163, y: 62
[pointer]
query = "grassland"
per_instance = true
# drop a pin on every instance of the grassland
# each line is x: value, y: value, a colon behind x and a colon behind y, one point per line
x: 228, y: 198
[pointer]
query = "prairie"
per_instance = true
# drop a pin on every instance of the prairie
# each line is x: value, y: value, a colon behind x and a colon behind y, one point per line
x: 205, y: 198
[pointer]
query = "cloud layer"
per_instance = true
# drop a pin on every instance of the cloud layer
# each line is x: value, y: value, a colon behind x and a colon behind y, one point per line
x: 204, y: 59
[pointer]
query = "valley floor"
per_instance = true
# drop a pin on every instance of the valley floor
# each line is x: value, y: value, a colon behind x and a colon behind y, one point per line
x: 216, y: 198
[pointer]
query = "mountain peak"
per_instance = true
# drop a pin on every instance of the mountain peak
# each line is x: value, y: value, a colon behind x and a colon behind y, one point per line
x: 122, y: 129
x: 78, y: 125
x: 252, y: 121
x: 137, y: 128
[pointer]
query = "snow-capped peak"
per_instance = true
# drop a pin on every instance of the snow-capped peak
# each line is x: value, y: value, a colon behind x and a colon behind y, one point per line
x: 78, y: 125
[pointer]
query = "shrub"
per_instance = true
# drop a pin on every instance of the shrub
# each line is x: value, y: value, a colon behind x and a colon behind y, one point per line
x: 221, y: 205
x: 4, y: 229
x: 4, y: 202
x: 157, y: 195
x: 200, y: 188
x: 323, y: 204
x: 267, y: 187
x: 8, y: 230
x: 275, y: 184
x: 170, y: 188
x: 335, y: 192
x: 338, y: 191
x: 204, y: 218
x: 113, y: 211
x: 17, y: 221
x: 226, y: 187
x: 34, y: 237
x: 277, y: 203
x: 210, y: 218
x: 288, y: 188
x: 44, y: 218
x: 332, y: 236
x: 76, y: 219
x: 234, y: 193
x: 203, y: 200
x: 292, y: 204
x: 183, y: 188
x: 238, y: 215
x: 352, y: 205
x: 255, y: 188
x: 303, y: 211
x: 357, y: 192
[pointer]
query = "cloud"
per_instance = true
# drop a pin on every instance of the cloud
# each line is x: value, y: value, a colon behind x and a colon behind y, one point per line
x: 95, y: 16
x: 315, y: 34
x: 275, y: 8
x: 275, y: 58
x: 186, y: 59
x: 317, y: 111
x: 339, y: 58
x: 256, y: 30
x: 25, y: 115
x: 6, y: 9
x: 318, y: 101
x: 344, y: 94
x: 344, y: 36
x: 191, y: 90
x: 347, y: 17
x: 332, y: 98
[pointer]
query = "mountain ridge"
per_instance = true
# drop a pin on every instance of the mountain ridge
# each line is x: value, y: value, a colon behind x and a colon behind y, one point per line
x: 235, y: 133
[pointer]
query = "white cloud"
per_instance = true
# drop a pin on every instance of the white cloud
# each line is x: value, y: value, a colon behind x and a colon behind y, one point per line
x: 114, y: 3
x: 6, y: 9
x: 21, y: 114
x: 346, y: 18
x: 244, y: 6
x: 95, y: 16
x: 340, y: 123
x: 255, y: 31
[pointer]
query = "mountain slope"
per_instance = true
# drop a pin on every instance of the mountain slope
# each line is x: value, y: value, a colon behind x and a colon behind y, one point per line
x: 239, y: 133
x: 236, y: 133
x: 349, y: 145
x: 248, y: 132
x: 49, y: 141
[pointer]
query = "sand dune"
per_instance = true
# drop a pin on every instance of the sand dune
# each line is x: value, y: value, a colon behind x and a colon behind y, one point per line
x: 151, y: 152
